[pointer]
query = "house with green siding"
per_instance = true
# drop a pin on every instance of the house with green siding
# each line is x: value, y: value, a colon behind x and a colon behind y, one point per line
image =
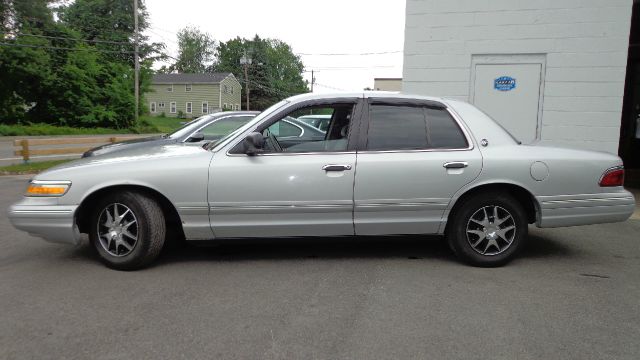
x: 193, y: 94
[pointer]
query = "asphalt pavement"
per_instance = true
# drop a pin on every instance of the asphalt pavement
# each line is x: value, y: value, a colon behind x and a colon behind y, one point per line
x: 573, y: 294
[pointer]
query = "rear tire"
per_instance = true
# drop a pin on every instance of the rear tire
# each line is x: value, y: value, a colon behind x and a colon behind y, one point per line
x: 127, y: 230
x: 488, y: 230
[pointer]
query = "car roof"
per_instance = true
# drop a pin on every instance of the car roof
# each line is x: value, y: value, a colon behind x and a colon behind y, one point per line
x: 365, y: 94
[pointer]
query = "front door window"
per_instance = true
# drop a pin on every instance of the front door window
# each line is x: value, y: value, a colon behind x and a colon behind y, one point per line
x: 293, y: 135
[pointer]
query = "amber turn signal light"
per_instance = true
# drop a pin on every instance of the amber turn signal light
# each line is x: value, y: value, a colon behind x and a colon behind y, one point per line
x: 47, y: 188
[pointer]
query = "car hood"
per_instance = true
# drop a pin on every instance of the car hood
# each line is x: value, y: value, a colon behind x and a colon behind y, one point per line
x: 132, y: 154
x: 140, y: 142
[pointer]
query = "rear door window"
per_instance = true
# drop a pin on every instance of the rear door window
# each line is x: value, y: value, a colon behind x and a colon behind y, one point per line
x: 394, y: 127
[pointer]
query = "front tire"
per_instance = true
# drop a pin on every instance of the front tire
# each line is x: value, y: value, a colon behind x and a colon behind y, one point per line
x: 488, y: 230
x: 127, y: 230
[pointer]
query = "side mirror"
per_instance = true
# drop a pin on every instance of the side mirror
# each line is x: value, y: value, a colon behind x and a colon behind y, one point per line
x: 253, y: 143
x: 197, y: 137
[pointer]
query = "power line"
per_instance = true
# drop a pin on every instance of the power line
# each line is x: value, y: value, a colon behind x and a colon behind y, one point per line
x: 161, y: 29
x: 64, y: 48
x: 339, y: 68
x: 330, y: 87
x: 72, y: 39
x: 162, y: 37
x: 351, y: 54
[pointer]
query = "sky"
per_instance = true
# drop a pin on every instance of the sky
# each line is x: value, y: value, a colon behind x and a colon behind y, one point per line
x: 312, y: 28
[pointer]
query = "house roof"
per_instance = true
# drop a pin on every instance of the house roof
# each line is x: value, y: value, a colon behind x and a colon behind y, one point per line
x: 208, y: 78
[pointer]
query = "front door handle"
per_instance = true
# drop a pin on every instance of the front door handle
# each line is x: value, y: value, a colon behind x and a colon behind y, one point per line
x: 336, y: 167
x: 455, y: 165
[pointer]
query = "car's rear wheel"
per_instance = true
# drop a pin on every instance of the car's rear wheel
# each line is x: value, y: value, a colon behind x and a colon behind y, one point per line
x: 488, y: 229
x: 127, y: 230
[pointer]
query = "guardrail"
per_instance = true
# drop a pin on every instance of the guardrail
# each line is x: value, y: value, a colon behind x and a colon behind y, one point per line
x: 27, y: 145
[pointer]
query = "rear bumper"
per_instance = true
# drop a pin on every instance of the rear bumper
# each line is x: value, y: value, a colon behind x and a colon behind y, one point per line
x: 585, y: 209
x: 54, y: 223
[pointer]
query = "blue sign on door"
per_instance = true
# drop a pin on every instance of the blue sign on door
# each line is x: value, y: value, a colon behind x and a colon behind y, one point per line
x: 504, y: 83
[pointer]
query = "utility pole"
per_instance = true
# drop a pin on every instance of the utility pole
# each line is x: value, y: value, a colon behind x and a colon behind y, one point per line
x: 136, y: 60
x: 313, y: 80
x: 246, y: 61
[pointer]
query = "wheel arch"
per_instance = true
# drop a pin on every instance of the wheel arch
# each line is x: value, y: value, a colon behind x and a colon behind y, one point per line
x: 520, y: 193
x: 83, y: 213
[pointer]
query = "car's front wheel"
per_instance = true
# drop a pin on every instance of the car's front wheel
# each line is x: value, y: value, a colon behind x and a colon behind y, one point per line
x: 488, y: 229
x: 127, y: 230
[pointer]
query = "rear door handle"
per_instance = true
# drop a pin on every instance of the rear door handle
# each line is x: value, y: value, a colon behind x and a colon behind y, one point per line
x: 336, y: 167
x: 455, y: 164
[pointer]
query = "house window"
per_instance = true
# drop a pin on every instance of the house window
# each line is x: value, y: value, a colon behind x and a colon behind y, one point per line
x: 161, y: 105
x: 205, y: 107
x: 225, y: 106
x: 189, y: 107
x: 170, y: 88
x: 187, y: 88
x: 225, y: 90
x: 152, y: 107
x: 172, y: 107
x: 237, y: 107
x: 232, y: 89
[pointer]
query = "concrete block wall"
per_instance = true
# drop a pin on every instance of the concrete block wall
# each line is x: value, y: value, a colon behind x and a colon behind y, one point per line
x: 585, y: 43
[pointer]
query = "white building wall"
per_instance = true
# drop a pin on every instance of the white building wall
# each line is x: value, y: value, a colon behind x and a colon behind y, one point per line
x: 585, y: 43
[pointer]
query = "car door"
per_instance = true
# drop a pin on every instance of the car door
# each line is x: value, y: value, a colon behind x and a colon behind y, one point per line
x: 300, y: 190
x: 413, y: 156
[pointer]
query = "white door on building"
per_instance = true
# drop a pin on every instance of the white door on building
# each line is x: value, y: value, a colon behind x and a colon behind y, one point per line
x: 510, y: 94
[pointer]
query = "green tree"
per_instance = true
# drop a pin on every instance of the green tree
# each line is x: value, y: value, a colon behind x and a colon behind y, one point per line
x: 24, y: 63
x: 109, y: 25
x: 274, y: 74
x: 196, y: 50
x: 74, y: 71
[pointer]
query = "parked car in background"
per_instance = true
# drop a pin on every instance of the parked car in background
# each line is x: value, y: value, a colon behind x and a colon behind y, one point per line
x: 425, y: 165
x: 205, y: 128
x: 291, y: 131
x: 319, y: 121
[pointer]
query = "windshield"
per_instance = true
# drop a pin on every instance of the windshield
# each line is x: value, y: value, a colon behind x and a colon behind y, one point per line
x: 218, y: 129
x: 223, y: 141
x: 188, y: 127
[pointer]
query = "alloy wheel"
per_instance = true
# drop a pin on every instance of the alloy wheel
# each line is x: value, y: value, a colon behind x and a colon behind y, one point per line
x: 491, y: 230
x: 117, y: 229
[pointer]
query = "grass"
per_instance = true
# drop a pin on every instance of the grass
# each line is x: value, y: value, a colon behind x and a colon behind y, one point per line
x: 29, y: 168
x: 146, y: 125
x: 46, y: 129
x: 163, y: 125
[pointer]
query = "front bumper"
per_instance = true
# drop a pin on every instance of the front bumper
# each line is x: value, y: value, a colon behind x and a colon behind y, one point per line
x: 585, y: 209
x: 54, y: 223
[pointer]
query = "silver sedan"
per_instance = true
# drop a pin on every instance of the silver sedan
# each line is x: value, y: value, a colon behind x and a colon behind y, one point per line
x: 387, y: 164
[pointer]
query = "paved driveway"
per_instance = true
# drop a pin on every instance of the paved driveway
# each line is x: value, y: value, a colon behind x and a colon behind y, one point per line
x: 574, y: 294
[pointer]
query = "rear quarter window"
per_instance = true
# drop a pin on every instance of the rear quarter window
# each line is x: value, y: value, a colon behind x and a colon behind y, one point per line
x: 444, y: 132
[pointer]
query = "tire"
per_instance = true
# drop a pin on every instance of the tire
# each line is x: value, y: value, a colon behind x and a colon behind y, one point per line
x: 478, y: 239
x: 134, y: 241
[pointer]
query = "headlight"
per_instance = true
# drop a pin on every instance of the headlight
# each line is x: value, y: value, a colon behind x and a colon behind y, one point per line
x: 47, y: 188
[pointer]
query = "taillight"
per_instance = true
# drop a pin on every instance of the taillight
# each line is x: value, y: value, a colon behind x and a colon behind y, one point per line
x: 612, y: 177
